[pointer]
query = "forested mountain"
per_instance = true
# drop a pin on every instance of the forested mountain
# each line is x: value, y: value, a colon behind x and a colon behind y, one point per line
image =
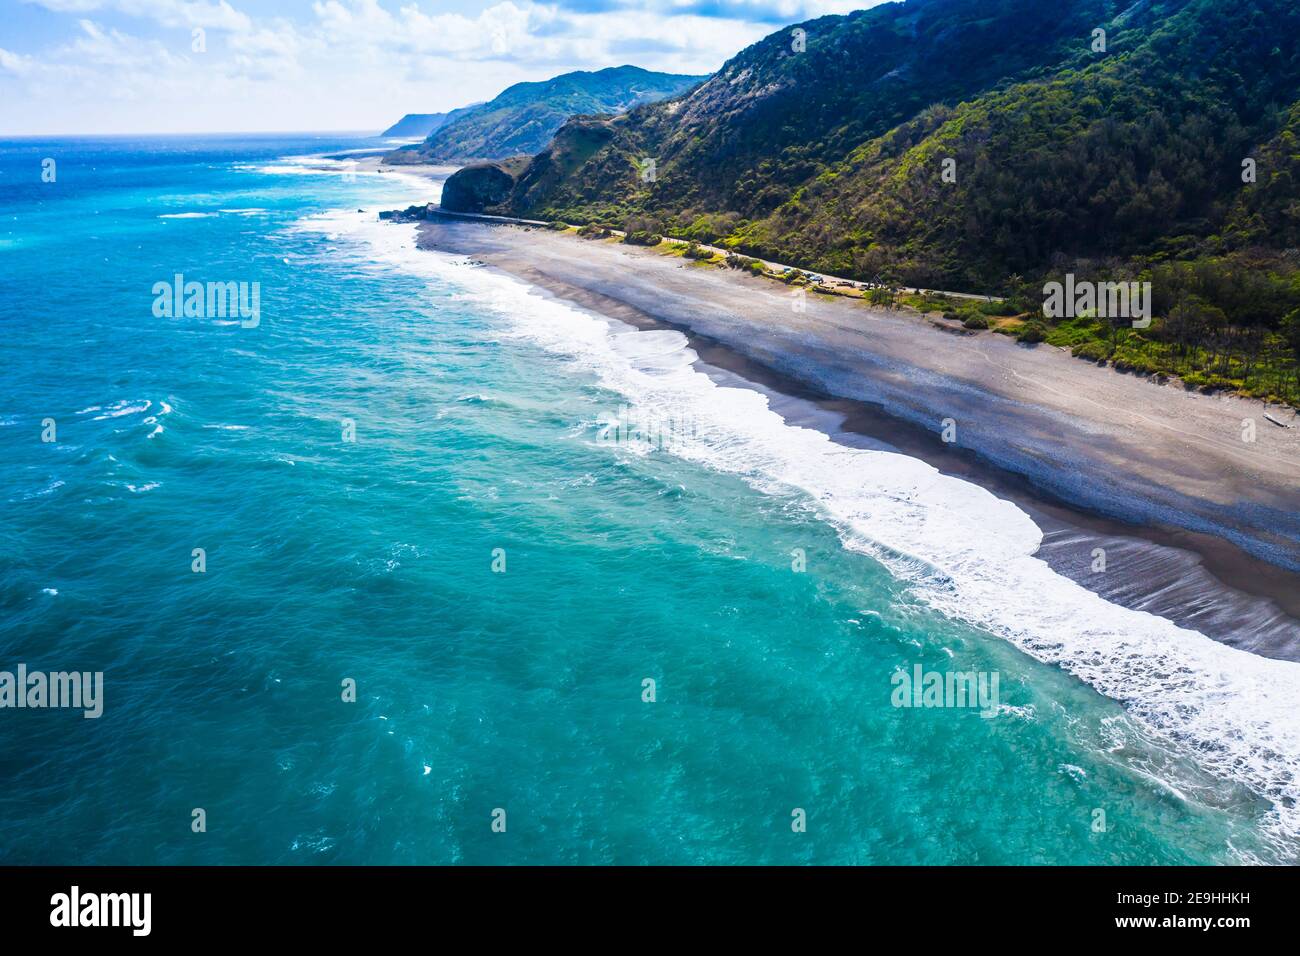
x: 1136, y: 151
x: 776, y: 116
x: 987, y: 145
x: 524, y: 117
x: 834, y: 155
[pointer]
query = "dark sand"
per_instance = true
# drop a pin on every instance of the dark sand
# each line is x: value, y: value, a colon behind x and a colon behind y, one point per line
x: 1198, y: 525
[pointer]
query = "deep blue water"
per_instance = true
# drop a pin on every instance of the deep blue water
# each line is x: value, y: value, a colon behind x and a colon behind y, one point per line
x: 477, y: 415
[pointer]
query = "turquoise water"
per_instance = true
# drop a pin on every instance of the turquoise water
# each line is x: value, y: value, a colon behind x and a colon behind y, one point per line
x: 476, y: 429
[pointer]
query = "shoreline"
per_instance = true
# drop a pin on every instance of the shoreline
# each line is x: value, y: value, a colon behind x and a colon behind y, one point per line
x: 1196, y: 579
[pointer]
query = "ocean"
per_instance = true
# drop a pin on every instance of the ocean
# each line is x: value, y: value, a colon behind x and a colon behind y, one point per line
x: 414, y: 564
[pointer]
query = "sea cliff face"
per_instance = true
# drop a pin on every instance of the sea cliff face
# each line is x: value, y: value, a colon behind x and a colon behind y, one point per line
x: 482, y: 187
x: 525, y: 183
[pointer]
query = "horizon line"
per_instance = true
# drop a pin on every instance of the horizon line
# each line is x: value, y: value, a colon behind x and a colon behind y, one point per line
x: 6, y: 136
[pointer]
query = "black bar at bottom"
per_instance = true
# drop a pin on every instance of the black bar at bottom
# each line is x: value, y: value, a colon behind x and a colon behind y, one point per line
x: 334, y: 905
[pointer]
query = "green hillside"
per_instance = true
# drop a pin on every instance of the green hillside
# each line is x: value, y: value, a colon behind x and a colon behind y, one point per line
x: 1122, y: 163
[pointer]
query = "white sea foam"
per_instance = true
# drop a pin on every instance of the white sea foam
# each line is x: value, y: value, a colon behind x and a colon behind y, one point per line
x: 418, y: 188
x: 422, y: 189
x: 965, y: 551
x: 124, y: 407
x: 188, y: 215
x: 49, y: 489
x: 291, y: 165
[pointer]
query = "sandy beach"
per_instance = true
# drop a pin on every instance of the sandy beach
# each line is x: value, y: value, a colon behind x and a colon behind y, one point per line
x: 1198, y: 525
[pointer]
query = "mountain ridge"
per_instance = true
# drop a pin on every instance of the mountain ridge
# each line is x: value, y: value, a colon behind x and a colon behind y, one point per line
x: 524, y: 117
x: 416, y: 124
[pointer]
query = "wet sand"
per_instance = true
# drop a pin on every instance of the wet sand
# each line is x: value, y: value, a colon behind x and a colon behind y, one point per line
x: 1197, y: 525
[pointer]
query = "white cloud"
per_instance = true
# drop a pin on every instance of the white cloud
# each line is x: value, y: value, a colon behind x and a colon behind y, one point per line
x: 168, y: 13
x: 351, y: 64
x: 15, y: 64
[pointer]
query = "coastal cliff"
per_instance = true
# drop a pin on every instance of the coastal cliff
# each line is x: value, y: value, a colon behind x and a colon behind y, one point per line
x: 482, y: 186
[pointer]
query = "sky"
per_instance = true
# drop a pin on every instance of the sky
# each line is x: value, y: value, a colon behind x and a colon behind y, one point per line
x: 185, y: 66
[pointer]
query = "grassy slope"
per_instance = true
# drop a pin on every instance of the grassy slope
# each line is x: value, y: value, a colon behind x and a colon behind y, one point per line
x: 773, y: 119
x: 1125, y: 164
